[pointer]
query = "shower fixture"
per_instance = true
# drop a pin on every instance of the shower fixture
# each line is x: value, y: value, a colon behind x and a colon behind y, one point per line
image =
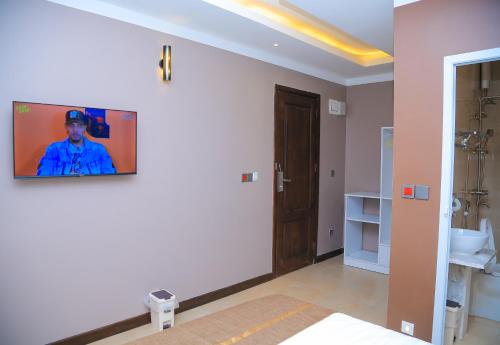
x: 462, y: 139
x: 474, y: 143
x: 489, y: 100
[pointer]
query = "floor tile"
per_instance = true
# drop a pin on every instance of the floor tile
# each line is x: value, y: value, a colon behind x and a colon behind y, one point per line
x: 356, y: 292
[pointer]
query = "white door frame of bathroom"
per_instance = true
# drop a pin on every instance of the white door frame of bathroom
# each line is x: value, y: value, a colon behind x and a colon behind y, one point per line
x: 447, y: 164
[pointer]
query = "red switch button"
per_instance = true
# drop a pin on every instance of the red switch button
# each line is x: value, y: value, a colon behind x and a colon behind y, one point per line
x: 408, y: 191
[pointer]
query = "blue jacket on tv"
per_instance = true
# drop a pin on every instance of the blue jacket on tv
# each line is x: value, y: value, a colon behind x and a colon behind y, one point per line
x: 91, y: 159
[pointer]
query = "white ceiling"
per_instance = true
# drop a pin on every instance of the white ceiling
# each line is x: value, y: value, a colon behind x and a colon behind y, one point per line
x: 368, y: 20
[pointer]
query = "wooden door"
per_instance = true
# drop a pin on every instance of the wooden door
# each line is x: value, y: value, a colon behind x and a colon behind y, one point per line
x: 296, y: 142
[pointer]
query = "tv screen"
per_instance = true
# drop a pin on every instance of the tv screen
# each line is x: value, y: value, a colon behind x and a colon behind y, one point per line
x: 59, y: 140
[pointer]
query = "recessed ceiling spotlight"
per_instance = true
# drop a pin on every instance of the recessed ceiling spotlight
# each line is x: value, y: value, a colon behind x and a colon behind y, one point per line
x: 276, y: 45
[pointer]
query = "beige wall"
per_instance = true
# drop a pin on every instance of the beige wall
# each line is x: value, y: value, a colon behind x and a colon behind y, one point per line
x: 425, y: 32
x: 369, y: 107
x: 185, y: 222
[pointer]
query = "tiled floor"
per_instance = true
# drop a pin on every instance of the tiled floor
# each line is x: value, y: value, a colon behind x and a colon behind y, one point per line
x: 481, y: 332
x: 352, y: 291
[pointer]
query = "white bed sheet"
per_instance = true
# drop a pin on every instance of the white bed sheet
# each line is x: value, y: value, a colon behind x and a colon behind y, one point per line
x: 341, y: 329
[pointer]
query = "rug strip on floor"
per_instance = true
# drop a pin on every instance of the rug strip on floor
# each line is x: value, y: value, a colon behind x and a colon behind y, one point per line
x: 265, y: 321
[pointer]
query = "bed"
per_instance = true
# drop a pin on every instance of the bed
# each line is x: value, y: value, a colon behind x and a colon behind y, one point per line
x: 342, y: 329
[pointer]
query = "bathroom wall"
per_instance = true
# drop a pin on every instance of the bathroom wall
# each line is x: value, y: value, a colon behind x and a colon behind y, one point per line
x: 369, y: 107
x: 467, y: 95
x: 424, y: 33
x: 185, y: 222
x: 467, y: 91
x: 492, y: 167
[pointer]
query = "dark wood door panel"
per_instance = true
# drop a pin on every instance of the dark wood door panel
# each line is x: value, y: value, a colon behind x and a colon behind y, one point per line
x: 296, y: 245
x: 297, y: 158
x: 297, y: 142
x: 293, y: 215
x: 295, y: 239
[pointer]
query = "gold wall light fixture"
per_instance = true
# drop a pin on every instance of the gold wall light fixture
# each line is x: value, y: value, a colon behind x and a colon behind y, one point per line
x: 166, y: 63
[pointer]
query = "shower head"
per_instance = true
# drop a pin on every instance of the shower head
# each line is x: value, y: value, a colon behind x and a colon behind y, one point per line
x: 489, y: 100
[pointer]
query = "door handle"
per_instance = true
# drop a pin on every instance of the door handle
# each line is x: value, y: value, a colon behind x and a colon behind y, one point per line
x: 280, y: 185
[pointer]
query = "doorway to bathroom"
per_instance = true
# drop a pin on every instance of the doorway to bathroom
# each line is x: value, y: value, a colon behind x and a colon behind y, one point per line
x: 470, y: 199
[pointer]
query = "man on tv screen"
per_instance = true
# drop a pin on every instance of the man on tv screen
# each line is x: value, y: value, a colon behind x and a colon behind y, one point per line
x: 76, y: 155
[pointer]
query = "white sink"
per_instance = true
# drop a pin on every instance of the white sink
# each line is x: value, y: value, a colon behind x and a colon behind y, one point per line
x: 467, y: 241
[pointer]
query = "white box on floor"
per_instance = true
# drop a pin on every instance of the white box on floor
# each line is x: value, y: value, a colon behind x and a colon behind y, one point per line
x: 162, y: 304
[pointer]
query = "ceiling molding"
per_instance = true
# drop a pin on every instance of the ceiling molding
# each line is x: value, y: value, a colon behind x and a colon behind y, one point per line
x: 287, y: 18
x: 398, y: 3
x: 378, y: 78
x: 125, y: 15
x: 147, y: 21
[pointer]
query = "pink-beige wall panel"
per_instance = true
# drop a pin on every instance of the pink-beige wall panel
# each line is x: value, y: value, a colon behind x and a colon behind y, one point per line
x: 425, y: 32
x: 185, y: 222
x: 369, y: 107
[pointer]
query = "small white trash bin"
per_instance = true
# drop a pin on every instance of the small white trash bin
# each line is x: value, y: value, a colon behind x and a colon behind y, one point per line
x: 454, y: 314
x: 162, y: 305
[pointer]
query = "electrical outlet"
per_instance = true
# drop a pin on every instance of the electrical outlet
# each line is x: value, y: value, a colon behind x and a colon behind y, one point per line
x: 331, y: 230
x: 407, y: 327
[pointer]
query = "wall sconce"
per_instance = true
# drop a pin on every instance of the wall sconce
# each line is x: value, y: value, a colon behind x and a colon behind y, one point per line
x: 165, y: 63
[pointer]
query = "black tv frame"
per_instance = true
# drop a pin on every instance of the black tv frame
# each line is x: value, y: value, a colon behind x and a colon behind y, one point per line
x: 66, y: 176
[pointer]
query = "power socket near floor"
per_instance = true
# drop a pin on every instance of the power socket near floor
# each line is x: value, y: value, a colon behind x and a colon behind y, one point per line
x: 407, y: 327
x: 332, y: 229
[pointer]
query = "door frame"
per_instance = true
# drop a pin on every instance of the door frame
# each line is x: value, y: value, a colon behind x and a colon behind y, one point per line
x: 447, y: 167
x: 316, y: 133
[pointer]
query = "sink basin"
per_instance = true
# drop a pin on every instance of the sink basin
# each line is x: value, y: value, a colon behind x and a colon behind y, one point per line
x: 467, y: 241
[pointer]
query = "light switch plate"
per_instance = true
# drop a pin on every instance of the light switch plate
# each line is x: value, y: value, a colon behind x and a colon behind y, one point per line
x: 250, y: 177
x: 336, y: 107
x: 408, y: 191
x: 407, y: 327
x: 422, y: 192
x: 246, y: 177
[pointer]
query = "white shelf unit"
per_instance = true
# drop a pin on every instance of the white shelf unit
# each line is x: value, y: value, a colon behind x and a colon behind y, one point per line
x: 358, y: 214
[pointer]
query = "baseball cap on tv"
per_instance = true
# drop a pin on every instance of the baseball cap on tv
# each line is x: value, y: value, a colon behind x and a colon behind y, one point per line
x: 75, y: 116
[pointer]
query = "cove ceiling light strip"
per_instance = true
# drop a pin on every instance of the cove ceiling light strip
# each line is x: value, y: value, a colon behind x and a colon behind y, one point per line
x: 284, y: 17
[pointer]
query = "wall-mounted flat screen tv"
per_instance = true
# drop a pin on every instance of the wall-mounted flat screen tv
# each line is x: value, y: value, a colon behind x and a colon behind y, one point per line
x: 59, y: 140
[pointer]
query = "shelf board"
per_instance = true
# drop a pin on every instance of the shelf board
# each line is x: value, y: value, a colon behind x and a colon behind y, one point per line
x: 387, y: 197
x: 365, y: 255
x: 372, y: 195
x: 365, y: 218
